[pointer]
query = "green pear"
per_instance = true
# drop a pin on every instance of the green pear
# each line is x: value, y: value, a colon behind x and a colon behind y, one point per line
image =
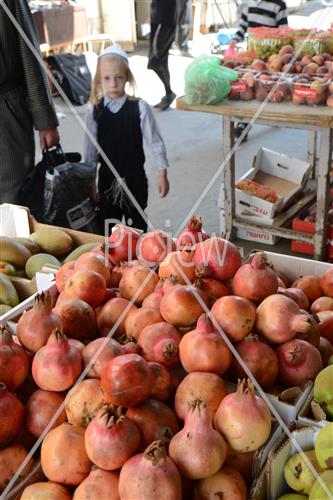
x: 317, y: 492
x: 7, y: 268
x: 293, y: 496
x: 323, y: 390
x: 324, y: 446
x: 298, y: 475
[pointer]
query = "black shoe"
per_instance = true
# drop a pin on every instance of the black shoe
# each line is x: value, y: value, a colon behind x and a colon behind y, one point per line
x: 239, y: 129
x: 165, y: 101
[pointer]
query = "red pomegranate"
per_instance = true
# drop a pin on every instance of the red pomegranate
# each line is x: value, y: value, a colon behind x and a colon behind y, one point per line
x: 86, y: 285
x: 137, y: 283
x: 310, y: 285
x: 98, y: 353
x: 298, y: 361
x: 179, y: 265
x: 83, y: 402
x: 322, y: 304
x: 122, y: 244
x: 99, y: 484
x: 326, y: 324
x: 160, y: 342
x: 326, y: 283
x: 255, y: 281
x: 217, y: 258
x: 14, y: 362
x: 41, y: 408
x: 192, y: 233
x: 297, y: 295
x: 77, y: 317
x: 12, y: 414
x: 154, y: 246
x: 182, y: 305
x: 235, y: 315
x: 162, y: 384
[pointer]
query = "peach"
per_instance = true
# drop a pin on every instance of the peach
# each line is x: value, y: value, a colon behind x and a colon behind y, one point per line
x: 286, y: 58
x: 297, y: 99
x: 289, y: 68
x: 322, y: 70
x: 311, y: 68
x: 286, y: 49
x: 318, y: 60
x: 306, y: 60
x: 259, y: 65
x: 298, y: 67
x: 327, y: 56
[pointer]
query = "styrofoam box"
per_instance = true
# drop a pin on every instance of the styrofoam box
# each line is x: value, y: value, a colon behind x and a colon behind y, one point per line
x: 305, y: 437
x: 293, y: 175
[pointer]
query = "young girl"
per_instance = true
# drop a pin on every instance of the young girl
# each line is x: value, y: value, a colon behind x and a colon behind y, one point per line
x: 119, y: 122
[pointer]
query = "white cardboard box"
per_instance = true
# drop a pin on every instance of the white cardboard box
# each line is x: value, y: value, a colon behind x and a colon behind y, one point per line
x: 257, y: 236
x: 285, y: 174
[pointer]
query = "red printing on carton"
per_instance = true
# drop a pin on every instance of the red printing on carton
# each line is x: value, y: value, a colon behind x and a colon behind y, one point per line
x: 303, y: 91
x: 238, y: 86
x: 261, y: 236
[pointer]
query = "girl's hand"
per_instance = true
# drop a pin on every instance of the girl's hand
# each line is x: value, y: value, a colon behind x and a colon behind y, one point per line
x: 48, y: 138
x: 163, y: 183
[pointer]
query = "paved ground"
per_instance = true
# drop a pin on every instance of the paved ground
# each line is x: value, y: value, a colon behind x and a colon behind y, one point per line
x: 193, y: 142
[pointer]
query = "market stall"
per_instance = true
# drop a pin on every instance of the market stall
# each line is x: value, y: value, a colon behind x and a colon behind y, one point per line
x: 288, y: 115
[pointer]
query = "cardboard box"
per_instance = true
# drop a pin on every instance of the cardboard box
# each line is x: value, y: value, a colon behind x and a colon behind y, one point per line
x: 310, y: 228
x: 286, y: 175
x: 305, y: 437
x: 312, y: 414
x: 257, y: 236
x: 289, y: 402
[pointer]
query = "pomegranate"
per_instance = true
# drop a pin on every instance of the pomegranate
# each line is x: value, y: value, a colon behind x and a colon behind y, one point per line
x: 313, y: 334
x: 83, y: 402
x: 297, y: 295
x: 127, y: 380
x: 154, y: 420
x: 77, y: 317
x: 242, y: 407
x: 100, y: 484
x: 180, y: 305
x: 63, y: 455
x: 279, y: 319
x: 112, y: 316
x: 57, y: 365
x: 326, y: 283
x: 259, y: 358
x: 154, y: 246
x: 12, y: 413
x: 180, y: 265
x: 322, y: 304
x: 98, y: 353
x: 217, y: 258
x: 138, y: 282
x: 191, y: 234
x: 94, y: 262
x: 111, y: 438
x: 162, y: 385
x: 241, y: 461
x: 36, y: 325
x: 310, y: 285
x: 46, y: 491
x: 122, y: 244
x: 138, y: 319
x: 326, y: 324
x: 204, y: 350
x: 168, y: 283
x: 14, y: 362
x: 76, y: 343
x: 151, y: 474
x: 213, y: 289
x: 41, y: 408
x: 206, y: 387
x: 159, y: 342
x: 131, y: 348
x: 154, y: 299
x: 226, y: 483
x: 298, y: 361
x: 86, y: 285
x: 10, y: 460
x: 325, y: 349
x: 198, y: 450
x: 235, y: 315
x: 255, y: 281
x: 63, y: 273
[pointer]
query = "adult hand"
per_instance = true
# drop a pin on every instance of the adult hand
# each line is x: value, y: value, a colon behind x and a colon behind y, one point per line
x: 49, y: 137
x: 163, y: 183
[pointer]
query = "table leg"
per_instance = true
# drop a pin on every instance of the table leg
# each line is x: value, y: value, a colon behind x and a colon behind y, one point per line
x: 325, y: 160
x: 312, y: 150
x: 228, y: 175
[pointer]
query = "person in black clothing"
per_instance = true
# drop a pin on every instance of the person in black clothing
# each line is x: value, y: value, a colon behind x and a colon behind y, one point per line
x: 120, y: 122
x: 184, y: 23
x: 162, y: 33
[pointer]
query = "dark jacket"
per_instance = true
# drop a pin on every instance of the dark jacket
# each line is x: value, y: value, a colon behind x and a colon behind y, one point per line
x: 163, y: 12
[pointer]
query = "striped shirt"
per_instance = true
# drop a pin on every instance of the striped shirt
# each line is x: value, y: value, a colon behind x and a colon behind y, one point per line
x: 270, y: 13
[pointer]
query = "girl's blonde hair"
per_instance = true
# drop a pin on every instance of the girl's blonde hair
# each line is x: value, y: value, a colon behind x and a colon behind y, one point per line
x: 97, y: 91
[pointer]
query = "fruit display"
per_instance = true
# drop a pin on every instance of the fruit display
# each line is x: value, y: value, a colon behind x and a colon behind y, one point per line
x: 129, y: 373
x: 268, y: 41
x: 243, y: 88
x: 24, y: 257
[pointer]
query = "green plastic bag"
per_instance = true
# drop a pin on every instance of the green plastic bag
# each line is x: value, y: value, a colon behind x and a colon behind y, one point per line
x: 206, y: 81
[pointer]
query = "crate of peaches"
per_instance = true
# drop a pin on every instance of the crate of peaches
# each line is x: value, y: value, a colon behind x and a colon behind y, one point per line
x: 275, y: 87
x: 243, y: 88
x: 311, y: 90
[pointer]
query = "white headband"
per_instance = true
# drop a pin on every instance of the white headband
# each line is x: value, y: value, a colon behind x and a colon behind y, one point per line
x: 116, y: 50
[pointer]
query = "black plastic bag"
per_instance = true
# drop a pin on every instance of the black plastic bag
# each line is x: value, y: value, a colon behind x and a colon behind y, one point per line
x: 67, y: 192
x: 75, y: 77
x: 31, y: 194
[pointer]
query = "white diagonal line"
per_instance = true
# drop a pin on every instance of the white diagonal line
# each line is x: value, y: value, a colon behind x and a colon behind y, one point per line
x: 245, y: 131
x: 5, y: 493
x: 75, y: 113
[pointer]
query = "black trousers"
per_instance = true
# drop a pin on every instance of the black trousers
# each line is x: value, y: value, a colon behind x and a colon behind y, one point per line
x: 115, y: 208
x: 161, y: 38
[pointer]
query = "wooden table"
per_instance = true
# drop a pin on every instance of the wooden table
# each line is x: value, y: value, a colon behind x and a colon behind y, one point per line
x: 317, y: 120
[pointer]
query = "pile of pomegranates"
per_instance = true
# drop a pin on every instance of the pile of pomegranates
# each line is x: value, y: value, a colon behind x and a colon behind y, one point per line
x: 124, y: 375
